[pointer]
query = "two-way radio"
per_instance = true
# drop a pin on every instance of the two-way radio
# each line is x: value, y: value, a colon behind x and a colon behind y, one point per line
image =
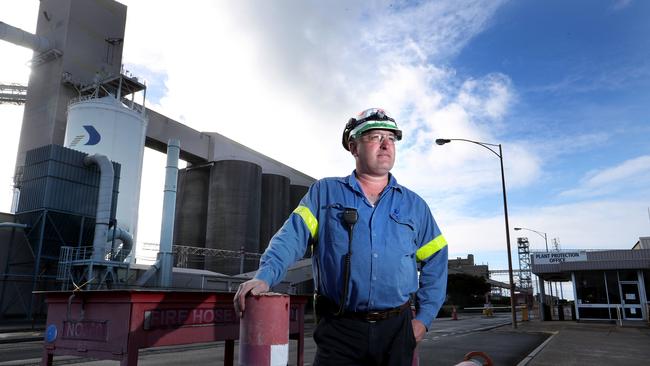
x: 350, y: 217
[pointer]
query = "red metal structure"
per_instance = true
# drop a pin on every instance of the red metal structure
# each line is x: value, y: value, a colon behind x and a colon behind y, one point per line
x: 114, y: 325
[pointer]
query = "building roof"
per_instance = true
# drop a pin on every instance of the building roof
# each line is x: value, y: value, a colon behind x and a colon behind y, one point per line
x: 594, y: 260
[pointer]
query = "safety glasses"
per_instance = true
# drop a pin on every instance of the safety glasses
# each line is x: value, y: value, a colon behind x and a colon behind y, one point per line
x: 378, y: 138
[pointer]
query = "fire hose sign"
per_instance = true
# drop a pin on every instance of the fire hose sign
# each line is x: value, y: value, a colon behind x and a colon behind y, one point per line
x: 173, y: 318
x: 559, y: 257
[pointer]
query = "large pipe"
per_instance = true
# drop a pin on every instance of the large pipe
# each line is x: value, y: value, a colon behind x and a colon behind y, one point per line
x: 13, y: 224
x: 148, y: 275
x: 125, y: 237
x: 22, y: 38
x: 165, y: 256
x: 104, y: 200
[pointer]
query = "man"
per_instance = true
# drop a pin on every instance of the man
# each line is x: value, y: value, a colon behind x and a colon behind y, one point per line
x: 369, y: 236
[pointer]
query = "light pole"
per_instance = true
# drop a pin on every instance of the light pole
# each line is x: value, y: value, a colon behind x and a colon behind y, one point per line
x: 505, y: 211
x: 540, y: 233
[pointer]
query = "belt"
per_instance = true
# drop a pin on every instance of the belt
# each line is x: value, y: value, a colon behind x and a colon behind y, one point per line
x: 373, y: 316
x: 370, y: 316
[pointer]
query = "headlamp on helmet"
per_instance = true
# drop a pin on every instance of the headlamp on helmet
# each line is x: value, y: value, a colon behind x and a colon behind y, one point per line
x: 370, y: 119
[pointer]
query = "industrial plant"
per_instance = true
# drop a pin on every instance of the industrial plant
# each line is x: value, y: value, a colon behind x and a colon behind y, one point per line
x: 71, y: 264
x: 74, y: 222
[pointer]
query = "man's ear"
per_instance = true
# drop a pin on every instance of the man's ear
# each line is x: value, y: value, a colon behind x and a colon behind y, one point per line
x: 353, y: 148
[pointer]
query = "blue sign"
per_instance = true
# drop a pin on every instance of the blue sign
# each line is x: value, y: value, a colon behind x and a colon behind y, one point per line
x: 51, y: 333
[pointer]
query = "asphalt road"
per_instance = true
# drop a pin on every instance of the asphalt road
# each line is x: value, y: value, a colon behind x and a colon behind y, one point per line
x: 449, y: 341
x: 20, y: 351
x: 446, y: 344
x: 504, y: 348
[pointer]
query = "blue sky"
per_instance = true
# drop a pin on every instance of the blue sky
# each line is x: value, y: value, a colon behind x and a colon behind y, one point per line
x: 581, y: 71
x: 563, y: 86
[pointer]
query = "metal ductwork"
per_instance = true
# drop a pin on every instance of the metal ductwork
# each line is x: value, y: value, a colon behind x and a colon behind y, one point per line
x: 13, y: 225
x: 104, y: 201
x: 165, y: 262
x: 118, y: 233
x: 22, y: 38
x: 165, y: 256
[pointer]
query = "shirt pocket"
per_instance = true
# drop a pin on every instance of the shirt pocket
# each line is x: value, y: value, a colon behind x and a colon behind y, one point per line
x: 402, y: 238
x: 334, y: 229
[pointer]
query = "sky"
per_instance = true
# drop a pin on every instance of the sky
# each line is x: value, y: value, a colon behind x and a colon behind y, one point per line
x: 564, y: 87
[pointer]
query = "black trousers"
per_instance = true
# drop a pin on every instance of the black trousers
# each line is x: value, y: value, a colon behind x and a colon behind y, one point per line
x: 348, y: 341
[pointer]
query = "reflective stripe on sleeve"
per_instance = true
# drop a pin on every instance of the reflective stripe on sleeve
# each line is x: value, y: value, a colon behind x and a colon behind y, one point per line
x: 309, y: 219
x: 431, y: 248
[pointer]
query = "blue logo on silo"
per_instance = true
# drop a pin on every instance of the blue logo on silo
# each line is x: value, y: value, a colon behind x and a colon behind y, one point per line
x: 93, y: 135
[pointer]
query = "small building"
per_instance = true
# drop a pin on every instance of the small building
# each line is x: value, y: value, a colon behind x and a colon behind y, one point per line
x: 467, y: 266
x: 607, y: 284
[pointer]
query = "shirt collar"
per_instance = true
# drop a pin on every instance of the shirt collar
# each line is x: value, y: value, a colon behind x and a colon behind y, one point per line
x: 352, y: 181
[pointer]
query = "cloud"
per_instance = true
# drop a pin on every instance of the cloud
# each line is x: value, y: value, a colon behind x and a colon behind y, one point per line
x: 597, y: 224
x: 570, y: 143
x: 633, y: 172
x: 621, y: 4
x: 594, y: 224
x: 588, y: 75
x: 460, y: 171
x: 294, y: 72
x: 625, y: 171
x: 432, y: 30
x: 488, y: 98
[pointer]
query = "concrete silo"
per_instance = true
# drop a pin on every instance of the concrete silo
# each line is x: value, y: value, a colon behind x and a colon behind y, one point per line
x: 296, y: 193
x: 233, y: 220
x: 192, y: 211
x: 275, y: 206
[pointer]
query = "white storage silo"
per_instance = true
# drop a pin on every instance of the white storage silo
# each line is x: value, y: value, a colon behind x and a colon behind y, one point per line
x: 106, y: 126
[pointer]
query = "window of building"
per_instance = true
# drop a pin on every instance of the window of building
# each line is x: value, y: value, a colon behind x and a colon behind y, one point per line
x: 627, y: 275
x: 591, y: 287
x: 612, y: 287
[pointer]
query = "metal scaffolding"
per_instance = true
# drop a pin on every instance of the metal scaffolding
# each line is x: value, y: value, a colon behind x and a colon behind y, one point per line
x: 183, y: 254
x: 13, y: 94
x: 78, y: 270
x: 525, y: 274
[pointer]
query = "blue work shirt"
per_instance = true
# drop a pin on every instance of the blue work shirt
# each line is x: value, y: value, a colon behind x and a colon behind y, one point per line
x: 391, y: 240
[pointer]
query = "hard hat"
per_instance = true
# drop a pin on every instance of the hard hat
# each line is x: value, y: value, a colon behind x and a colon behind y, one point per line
x: 370, y: 119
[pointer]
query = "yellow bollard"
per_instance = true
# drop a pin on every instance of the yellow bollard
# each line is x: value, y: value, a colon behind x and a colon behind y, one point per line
x: 524, y: 313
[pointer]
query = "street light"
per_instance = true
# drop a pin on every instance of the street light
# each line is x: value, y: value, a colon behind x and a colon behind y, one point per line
x: 505, y: 210
x: 540, y: 233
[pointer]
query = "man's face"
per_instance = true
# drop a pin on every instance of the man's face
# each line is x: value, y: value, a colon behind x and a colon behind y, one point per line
x: 374, y: 152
